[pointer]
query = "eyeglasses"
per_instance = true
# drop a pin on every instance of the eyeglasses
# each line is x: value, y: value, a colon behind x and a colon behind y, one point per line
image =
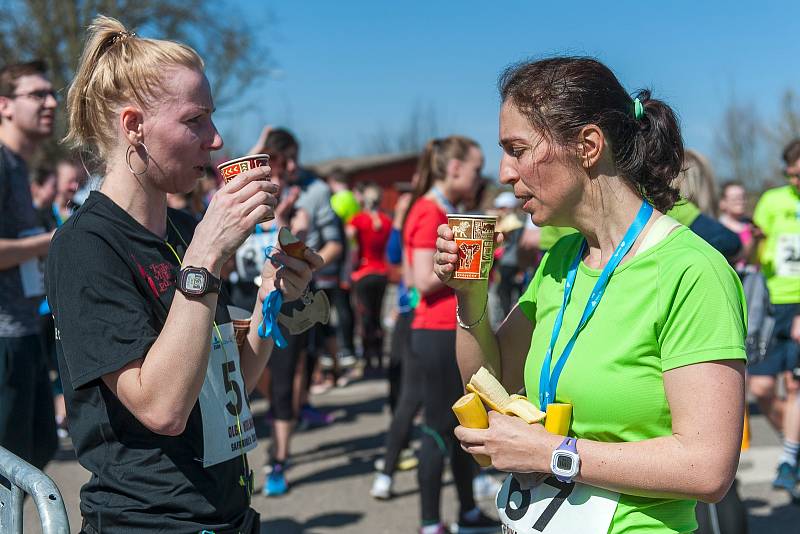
x: 39, y: 96
x: 790, y: 175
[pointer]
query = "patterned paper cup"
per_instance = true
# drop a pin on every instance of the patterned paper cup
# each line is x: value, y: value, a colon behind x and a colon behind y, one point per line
x: 241, y: 324
x: 231, y: 168
x: 474, y: 236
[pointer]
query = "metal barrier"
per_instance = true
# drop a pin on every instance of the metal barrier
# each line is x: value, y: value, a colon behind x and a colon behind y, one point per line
x: 18, y: 477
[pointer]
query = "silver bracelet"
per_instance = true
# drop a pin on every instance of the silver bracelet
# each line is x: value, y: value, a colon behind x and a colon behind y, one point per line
x: 476, y: 323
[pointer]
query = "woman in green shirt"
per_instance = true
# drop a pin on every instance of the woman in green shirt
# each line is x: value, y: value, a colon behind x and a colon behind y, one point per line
x: 648, y: 342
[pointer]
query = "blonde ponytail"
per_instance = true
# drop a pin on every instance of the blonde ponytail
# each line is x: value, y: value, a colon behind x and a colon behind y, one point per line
x: 117, y: 67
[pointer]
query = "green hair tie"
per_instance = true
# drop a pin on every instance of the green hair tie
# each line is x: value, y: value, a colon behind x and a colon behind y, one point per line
x: 638, y: 109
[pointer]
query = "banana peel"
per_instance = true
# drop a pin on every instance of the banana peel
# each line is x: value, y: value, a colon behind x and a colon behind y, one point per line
x: 495, y: 397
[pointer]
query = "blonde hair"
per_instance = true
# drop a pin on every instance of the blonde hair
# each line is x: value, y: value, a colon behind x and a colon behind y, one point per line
x: 696, y: 183
x: 116, y: 67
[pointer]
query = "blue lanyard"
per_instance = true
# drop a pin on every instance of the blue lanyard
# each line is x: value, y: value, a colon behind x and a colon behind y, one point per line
x: 54, y: 208
x: 448, y: 206
x: 547, y: 381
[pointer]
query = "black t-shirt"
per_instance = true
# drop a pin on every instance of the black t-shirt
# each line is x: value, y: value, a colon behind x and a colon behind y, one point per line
x: 110, y: 283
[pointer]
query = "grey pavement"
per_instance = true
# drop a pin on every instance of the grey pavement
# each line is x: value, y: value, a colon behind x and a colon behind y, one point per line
x: 332, y: 473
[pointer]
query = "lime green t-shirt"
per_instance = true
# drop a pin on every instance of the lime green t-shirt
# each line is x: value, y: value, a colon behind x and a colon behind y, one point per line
x: 685, y: 212
x: 675, y: 304
x: 778, y: 215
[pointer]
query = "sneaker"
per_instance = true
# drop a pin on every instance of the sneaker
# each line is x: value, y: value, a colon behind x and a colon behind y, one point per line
x: 311, y: 417
x: 786, y: 478
x: 408, y: 460
x: 480, y: 524
x: 485, y: 486
x: 275, y: 483
x: 434, y: 529
x: 347, y: 360
x: 381, y: 487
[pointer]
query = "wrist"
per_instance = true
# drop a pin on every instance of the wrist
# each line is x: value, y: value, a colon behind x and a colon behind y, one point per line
x: 202, y: 257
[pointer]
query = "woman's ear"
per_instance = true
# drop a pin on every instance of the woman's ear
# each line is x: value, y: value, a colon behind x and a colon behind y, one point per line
x: 453, y: 167
x: 131, y: 119
x: 591, y: 144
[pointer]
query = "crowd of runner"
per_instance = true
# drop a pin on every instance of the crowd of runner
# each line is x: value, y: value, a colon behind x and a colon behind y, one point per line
x: 683, y: 280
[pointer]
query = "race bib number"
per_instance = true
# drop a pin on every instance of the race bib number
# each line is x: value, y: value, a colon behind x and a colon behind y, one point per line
x: 787, y: 257
x: 250, y: 255
x: 31, y: 272
x: 228, y: 429
x: 554, y: 507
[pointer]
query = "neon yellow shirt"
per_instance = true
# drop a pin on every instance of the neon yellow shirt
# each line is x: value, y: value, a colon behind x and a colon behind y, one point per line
x: 675, y: 304
x: 778, y: 215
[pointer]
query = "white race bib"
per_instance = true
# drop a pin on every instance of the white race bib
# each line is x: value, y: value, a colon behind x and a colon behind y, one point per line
x: 554, y: 507
x: 787, y: 255
x: 31, y: 271
x: 223, y: 396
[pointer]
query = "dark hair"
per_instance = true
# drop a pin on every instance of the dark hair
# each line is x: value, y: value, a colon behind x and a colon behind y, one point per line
x: 14, y: 71
x: 279, y: 141
x: 561, y: 95
x: 723, y: 189
x: 11, y: 73
x: 791, y: 153
x: 41, y: 175
x: 432, y: 163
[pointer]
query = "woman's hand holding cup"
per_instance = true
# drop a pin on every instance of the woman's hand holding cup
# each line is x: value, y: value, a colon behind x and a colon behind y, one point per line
x: 246, y: 200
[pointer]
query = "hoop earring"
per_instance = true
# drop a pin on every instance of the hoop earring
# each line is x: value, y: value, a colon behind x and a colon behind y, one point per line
x: 128, y: 159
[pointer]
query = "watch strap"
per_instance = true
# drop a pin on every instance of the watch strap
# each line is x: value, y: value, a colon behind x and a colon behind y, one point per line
x: 569, y: 444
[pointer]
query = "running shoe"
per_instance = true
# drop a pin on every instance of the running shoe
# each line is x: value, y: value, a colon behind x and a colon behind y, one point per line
x: 381, y: 487
x: 408, y: 460
x: 786, y: 478
x: 481, y: 524
x: 347, y: 360
x: 485, y: 486
x: 311, y: 417
x: 275, y: 483
x: 435, y: 529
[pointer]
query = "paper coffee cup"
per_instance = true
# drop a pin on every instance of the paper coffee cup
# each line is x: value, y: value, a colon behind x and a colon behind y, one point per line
x: 241, y: 324
x: 231, y: 168
x: 474, y: 235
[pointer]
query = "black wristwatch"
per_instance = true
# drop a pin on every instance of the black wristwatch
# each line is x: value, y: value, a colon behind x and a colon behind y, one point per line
x: 197, y: 281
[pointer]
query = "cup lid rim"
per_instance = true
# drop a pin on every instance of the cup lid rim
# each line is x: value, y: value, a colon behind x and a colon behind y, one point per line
x: 467, y: 216
x: 243, y: 158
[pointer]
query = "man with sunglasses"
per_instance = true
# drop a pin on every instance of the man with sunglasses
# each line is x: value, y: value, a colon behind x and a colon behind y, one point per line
x: 778, y: 216
x: 27, y: 116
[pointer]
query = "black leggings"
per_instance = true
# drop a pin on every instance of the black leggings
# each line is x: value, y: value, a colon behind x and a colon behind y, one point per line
x: 410, y: 392
x: 436, y: 352
x: 369, y: 296
x: 282, y: 365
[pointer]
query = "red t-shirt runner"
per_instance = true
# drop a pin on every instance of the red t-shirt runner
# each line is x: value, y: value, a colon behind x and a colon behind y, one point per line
x: 437, y: 310
x: 373, y: 236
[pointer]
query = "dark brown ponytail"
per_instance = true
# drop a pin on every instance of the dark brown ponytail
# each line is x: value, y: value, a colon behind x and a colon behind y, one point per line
x: 561, y: 95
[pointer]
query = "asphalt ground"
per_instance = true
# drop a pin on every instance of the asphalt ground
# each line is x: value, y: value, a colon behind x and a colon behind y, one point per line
x: 332, y: 471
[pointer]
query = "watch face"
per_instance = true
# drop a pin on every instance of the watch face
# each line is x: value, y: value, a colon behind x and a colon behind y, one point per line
x: 564, y: 462
x: 195, y: 282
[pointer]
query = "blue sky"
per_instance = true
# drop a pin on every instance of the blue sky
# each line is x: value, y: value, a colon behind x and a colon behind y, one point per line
x: 344, y: 71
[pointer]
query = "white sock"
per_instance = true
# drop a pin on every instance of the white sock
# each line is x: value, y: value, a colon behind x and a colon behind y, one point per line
x: 430, y: 529
x: 790, y: 450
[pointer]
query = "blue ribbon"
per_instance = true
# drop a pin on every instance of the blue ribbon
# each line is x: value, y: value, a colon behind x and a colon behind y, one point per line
x: 269, y: 324
x: 549, y: 382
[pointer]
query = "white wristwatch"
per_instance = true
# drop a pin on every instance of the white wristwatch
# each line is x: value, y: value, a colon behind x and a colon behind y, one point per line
x: 565, y: 462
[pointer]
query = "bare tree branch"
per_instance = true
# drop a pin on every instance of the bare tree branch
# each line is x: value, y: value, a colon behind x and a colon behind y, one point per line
x: 55, y: 30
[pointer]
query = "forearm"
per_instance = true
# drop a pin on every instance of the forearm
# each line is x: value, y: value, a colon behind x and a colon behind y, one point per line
x: 667, y: 467
x: 16, y: 251
x: 330, y: 252
x: 256, y: 351
x: 428, y: 283
x: 173, y: 372
x: 476, y: 347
